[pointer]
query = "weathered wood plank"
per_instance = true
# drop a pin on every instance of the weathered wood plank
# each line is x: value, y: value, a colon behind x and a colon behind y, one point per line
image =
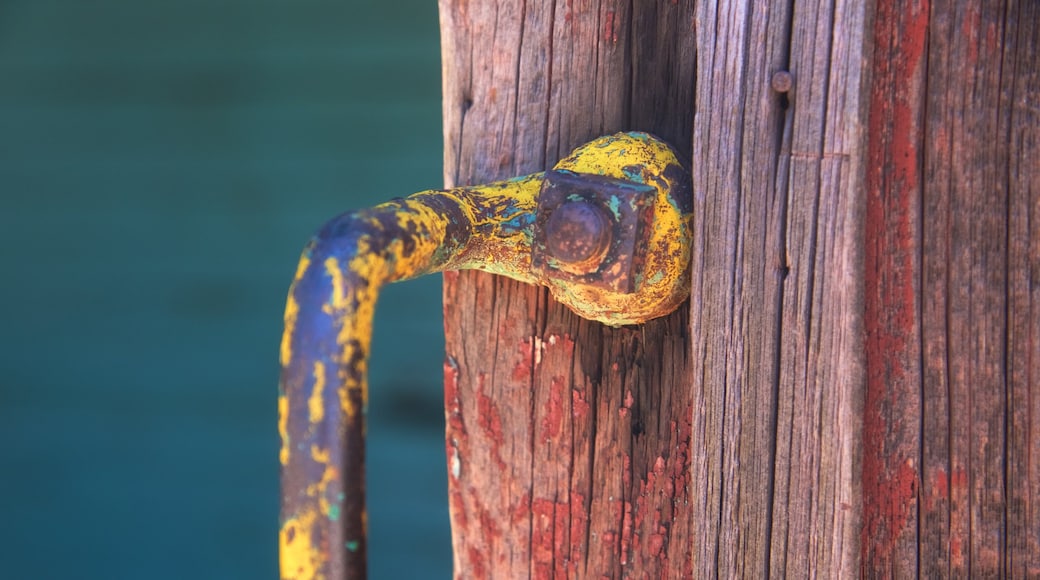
x: 1020, y: 95
x: 738, y: 270
x: 567, y: 441
x: 950, y: 249
x: 567, y: 453
x: 975, y: 260
x: 777, y: 288
x: 892, y: 411
x: 816, y: 526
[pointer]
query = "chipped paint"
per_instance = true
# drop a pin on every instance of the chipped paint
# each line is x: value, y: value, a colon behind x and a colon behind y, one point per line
x: 314, y: 403
x: 324, y: 351
x: 283, y: 432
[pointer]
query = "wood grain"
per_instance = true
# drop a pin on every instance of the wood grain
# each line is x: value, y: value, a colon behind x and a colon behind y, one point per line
x: 892, y: 411
x: 777, y: 303
x: 857, y: 389
x: 567, y: 441
x: 979, y: 325
x: 952, y: 328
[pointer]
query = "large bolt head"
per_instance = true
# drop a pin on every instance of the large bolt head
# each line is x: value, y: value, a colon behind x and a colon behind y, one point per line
x: 578, y: 232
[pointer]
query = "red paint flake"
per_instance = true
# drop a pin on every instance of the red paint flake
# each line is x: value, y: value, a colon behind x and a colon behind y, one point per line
x: 893, y: 182
x: 457, y: 506
x: 657, y: 541
x: 626, y: 405
x: 451, y: 398
x: 956, y: 550
x: 561, y: 539
x: 626, y: 533
x: 891, y: 508
x: 649, y: 492
x: 475, y: 563
x: 610, y: 28
x: 579, y: 404
x: 579, y: 520
x: 525, y: 366
x: 490, y: 421
x: 970, y: 32
x: 542, y: 521
x: 566, y: 341
x: 521, y: 511
x: 680, y: 461
x: 553, y: 420
x: 489, y: 528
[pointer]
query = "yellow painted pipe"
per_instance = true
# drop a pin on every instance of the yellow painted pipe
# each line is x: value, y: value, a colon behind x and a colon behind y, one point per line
x: 607, y: 231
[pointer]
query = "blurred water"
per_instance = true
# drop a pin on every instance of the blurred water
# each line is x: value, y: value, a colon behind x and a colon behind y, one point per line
x: 161, y: 166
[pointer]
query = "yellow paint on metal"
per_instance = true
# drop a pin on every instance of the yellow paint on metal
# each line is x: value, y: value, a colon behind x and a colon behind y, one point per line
x: 318, y: 490
x: 317, y: 411
x: 283, y: 431
x: 339, y: 287
x: 490, y: 228
x: 666, y: 281
x: 292, y: 310
x: 298, y: 560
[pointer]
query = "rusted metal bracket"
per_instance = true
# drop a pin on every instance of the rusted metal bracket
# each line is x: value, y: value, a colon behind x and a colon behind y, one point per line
x: 607, y: 230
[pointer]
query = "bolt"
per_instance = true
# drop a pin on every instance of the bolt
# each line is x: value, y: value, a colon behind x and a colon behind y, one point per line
x: 577, y: 232
x: 782, y: 81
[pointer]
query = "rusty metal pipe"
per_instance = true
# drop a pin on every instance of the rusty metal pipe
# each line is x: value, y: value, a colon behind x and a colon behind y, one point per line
x: 607, y: 231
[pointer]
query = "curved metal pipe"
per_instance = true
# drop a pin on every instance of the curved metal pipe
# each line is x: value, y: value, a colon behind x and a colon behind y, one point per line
x: 630, y: 183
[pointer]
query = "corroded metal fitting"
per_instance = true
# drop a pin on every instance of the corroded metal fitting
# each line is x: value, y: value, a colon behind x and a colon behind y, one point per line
x: 607, y: 230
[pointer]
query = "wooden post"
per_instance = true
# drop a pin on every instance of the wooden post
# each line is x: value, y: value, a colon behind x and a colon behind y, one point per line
x: 568, y: 442
x: 952, y: 423
x: 855, y: 387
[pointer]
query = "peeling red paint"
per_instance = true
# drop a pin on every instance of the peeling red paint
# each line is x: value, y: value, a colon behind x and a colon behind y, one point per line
x: 680, y: 461
x: 970, y: 31
x: 610, y: 28
x: 626, y: 533
x: 475, y: 563
x: 525, y: 366
x: 579, y: 521
x: 556, y: 531
x: 452, y: 405
x: 458, y: 506
x: 890, y: 479
x: 579, y: 404
x: 489, y: 527
x: 490, y: 421
x: 542, y: 527
x: 521, y: 510
x: 553, y: 419
x: 956, y: 550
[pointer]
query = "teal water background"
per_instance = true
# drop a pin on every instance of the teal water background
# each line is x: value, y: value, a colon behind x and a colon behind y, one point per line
x: 161, y: 166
